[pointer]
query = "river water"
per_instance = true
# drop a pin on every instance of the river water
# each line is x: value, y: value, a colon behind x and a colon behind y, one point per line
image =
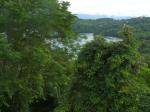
x: 90, y: 37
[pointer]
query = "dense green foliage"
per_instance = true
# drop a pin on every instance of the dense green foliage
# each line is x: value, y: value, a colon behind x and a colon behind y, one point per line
x: 32, y: 70
x: 109, y: 77
x: 111, y: 27
x: 42, y: 68
x: 141, y: 26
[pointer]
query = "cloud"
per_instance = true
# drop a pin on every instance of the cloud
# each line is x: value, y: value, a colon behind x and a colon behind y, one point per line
x: 111, y: 7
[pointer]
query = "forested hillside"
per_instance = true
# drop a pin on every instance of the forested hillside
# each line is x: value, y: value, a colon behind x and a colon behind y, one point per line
x: 43, y: 69
x: 111, y: 27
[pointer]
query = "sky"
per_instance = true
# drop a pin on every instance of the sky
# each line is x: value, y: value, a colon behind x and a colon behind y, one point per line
x: 111, y: 7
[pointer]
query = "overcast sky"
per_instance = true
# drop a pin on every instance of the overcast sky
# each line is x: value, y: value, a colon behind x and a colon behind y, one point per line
x: 111, y: 7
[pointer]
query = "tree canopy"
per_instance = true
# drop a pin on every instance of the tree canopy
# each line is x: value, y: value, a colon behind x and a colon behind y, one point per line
x: 42, y: 69
x: 30, y: 68
x: 108, y: 77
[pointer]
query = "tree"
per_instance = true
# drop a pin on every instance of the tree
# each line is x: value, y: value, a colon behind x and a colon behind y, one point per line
x: 8, y: 73
x: 108, y: 77
x: 27, y: 26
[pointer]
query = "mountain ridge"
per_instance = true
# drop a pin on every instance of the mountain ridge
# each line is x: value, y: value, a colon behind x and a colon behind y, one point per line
x: 97, y: 16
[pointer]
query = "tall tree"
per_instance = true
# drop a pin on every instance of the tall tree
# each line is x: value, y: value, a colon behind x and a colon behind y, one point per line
x: 26, y: 69
x: 108, y: 77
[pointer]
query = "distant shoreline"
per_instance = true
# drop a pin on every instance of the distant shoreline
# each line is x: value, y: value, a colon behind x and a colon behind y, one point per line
x: 96, y: 16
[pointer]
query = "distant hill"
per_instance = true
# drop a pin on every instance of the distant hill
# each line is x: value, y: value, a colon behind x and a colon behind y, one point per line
x: 87, y: 16
x: 111, y: 27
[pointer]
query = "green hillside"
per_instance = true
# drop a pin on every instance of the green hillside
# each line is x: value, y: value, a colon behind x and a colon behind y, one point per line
x: 111, y: 27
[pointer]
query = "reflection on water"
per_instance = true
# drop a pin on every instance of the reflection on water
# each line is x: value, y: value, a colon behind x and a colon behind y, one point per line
x: 112, y: 39
x: 87, y: 37
x: 90, y: 37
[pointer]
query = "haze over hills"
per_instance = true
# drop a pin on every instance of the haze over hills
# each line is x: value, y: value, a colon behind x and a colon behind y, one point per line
x: 97, y: 16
